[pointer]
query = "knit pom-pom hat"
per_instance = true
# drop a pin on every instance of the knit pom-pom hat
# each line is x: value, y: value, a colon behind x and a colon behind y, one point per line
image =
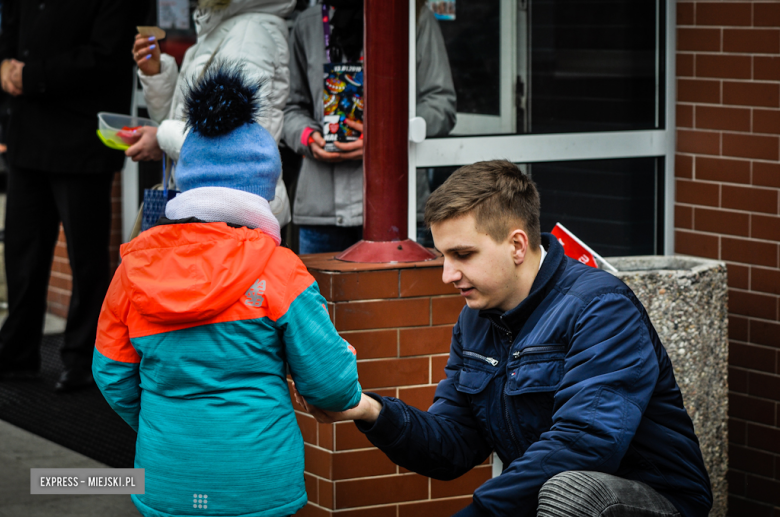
x: 226, y: 147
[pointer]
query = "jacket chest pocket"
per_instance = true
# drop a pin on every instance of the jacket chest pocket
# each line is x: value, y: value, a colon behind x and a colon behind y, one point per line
x: 474, y: 381
x: 477, y: 372
x: 532, y: 381
x: 537, y: 369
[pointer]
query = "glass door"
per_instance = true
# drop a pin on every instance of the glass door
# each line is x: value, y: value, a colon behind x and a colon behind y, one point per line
x: 482, y: 45
x: 579, y: 91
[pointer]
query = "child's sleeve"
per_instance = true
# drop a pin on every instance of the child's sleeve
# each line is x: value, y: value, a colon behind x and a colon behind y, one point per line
x: 323, y: 364
x: 115, y: 362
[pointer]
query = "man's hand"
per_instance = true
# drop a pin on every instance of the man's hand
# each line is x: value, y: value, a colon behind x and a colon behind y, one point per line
x: 11, y: 76
x: 367, y: 410
x: 146, y: 53
x: 146, y: 147
x: 352, y: 150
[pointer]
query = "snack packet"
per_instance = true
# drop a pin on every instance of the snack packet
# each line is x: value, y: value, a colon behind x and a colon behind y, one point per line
x: 157, y: 32
x: 342, y: 99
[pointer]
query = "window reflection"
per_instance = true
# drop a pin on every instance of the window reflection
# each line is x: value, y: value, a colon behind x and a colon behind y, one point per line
x: 614, y: 206
x: 551, y: 66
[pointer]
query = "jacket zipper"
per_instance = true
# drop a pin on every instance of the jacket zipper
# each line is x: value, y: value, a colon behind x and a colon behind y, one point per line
x: 508, y: 422
x: 503, y: 330
x: 537, y: 350
x: 489, y: 360
x: 505, y: 402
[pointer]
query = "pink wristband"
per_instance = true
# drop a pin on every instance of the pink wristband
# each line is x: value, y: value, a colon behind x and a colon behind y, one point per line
x: 305, y: 136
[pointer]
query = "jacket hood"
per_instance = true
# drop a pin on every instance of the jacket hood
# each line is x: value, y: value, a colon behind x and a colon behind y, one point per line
x: 211, y: 13
x: 185, y: 272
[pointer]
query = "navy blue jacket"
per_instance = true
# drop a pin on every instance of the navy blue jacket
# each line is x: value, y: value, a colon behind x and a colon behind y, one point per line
x: 573, y: 378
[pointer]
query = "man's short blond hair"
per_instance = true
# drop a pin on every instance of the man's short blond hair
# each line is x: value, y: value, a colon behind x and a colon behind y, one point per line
x: 497, y: 192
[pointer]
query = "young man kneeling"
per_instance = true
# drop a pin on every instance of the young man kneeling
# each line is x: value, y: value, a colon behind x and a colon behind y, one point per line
x: 554, y: 365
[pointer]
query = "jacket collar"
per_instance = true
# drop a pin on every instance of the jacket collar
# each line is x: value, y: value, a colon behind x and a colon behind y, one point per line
x: 163, y: 221
x: 514, y: 319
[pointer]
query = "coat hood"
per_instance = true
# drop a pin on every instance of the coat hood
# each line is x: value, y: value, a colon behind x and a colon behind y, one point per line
x: 211, y: 13
x: 185, y: 272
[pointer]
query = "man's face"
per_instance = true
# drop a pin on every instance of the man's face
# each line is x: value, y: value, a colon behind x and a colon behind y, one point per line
x: 482, y: 269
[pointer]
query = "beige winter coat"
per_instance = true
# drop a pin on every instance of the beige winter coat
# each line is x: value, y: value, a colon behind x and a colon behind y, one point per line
x: 250, y: 32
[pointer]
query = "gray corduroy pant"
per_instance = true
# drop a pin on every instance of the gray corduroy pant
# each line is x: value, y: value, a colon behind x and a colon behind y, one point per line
x: 595, y: 494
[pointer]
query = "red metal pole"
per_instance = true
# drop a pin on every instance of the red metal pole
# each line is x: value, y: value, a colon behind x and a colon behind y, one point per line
x: 386, y: 138
x: 386, y: 157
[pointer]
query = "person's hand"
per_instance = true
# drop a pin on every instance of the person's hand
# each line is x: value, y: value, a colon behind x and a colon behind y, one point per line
x: 146, y: 53
x: 367, y: 410
x: 317, y: 146
x: 146, y: 147
x: 16, y: 74
x: 352, y: 150
x: 11, y: 76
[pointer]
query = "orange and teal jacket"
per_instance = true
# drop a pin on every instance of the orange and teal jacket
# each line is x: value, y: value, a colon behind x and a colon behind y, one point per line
x: 195, y: 335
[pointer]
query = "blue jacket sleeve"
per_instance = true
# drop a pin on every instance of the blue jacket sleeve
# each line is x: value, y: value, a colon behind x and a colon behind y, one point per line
x: 323, y: 365
x: 610, y: 373
x: 442, y: 443
x: 120, y: 384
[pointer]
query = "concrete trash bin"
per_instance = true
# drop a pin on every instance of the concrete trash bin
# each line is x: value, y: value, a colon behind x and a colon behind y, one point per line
x: 686, y: 298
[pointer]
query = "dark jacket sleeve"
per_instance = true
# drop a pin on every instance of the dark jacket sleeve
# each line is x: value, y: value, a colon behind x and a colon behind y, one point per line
x: 9, y: 30
x: 442, y: 443
x: 609, y: 376
x: 65, y: 72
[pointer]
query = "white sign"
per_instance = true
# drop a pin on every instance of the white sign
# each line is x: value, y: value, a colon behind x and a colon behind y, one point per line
x: 173, y: 14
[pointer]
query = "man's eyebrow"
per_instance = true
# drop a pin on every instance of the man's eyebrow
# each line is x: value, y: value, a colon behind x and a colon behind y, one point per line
x: 460, y: 247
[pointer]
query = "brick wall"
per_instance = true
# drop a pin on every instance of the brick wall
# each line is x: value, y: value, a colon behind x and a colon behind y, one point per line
x: 728, y: 182
x: 399, y: 318
x: 61, y: 281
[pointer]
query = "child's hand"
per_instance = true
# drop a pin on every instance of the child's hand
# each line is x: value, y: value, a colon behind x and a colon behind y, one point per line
x: 317, y: 146
x: 367, y: 410
x: 352, y: 150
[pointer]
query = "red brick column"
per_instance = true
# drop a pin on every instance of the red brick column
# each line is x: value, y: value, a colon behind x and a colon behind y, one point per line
x: 399, y: 317
x: 728, y: 183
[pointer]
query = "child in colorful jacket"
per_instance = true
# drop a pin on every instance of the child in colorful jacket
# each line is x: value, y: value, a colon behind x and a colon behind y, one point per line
x: 203, y: 317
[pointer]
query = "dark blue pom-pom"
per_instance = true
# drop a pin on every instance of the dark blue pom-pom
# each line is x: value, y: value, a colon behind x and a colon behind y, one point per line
x: 222, y: 100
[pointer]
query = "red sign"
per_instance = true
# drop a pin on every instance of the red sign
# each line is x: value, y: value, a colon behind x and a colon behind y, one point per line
x: 573, y: 247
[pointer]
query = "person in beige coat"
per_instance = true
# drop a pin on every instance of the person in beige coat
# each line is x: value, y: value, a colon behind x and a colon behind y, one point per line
x: 252, y: 33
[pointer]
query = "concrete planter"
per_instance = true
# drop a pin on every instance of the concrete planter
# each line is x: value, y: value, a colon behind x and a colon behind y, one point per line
x: 686, y: 298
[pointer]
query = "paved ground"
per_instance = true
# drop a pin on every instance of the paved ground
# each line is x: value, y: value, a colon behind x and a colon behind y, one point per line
x: 19, y: 452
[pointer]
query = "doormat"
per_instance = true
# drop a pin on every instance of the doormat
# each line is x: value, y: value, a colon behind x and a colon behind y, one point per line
x: 81, y: 421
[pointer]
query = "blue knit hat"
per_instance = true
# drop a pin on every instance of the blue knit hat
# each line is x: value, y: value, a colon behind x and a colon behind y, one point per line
x: 226, y: 147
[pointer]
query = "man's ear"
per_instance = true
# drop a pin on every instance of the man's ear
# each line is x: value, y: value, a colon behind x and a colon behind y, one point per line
x: 519, y: 241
